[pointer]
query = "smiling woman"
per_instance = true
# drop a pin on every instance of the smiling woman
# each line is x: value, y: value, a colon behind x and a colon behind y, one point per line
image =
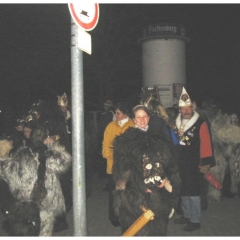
x: 145, y: 174
x: 141, y: 117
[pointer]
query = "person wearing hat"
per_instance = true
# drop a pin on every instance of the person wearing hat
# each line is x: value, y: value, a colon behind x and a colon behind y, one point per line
x: 195, y: 159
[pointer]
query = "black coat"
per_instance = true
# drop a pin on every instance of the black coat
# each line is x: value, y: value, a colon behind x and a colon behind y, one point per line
x: 190, y: 160
x: 133, y: 151
x: 157, y: 124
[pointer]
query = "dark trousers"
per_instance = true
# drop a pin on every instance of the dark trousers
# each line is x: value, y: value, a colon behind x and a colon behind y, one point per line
x: 204, y: 193
x: 111, y: 213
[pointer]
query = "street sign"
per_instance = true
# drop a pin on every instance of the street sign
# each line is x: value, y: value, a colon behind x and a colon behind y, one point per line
x: 84, y: 41
x: 85, y: 14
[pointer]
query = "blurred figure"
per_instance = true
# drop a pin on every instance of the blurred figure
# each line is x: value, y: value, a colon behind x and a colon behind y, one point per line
x: 159, y: 118
x: 63, y: 103
x: 16, y: 135
x: 32, y: 174
x: 234, y: 119
x: 195, y: 159
x: 114, y: 128
x: 50, y: 115
x: 107, y: 116
x: 27, y: 129
x: 145, y: 174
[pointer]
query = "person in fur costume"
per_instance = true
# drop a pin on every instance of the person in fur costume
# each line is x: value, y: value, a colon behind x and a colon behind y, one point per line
x: 33, y: 176
x: 145, y: 174
x: 6, y: 198
x: 226, y: 142
x: 49, y: 114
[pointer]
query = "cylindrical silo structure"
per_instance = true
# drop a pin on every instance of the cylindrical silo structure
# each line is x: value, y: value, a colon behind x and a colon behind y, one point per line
x: 164, y: 60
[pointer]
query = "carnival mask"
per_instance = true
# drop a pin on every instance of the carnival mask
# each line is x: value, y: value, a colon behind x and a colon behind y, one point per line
x: 152, y: 172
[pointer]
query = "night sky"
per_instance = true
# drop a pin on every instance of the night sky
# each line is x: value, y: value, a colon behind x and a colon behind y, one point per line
x: 36, y: 54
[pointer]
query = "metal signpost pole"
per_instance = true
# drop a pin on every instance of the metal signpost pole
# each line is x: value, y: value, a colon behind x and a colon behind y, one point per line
x: 85, y: 16
x: 78, y: 156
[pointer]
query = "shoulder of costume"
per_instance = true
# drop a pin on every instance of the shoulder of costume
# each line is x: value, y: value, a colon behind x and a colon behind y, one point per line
x: 131, y: 133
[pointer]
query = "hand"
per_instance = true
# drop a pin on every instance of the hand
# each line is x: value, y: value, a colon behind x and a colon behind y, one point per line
x: 148, y: 190
x: 204, y: 169
x: 166, y: 183
x: 48, y: 141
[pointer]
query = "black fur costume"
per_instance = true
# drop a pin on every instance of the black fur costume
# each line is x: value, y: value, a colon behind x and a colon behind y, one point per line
x: 134, y: 151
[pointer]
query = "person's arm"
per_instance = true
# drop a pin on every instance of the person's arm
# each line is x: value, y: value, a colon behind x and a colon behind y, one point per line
x: 107, y: 149
x: 107, y: 143
x: 206, y: 151
x: 58, y: 159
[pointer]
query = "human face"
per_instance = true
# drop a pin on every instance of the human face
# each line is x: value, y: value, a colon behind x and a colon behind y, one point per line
x: 27, y: 132
x: 63, y: 108
x: 120, y: 115
x: 186, y: 112
x: 20, y: 127
x: 36, y: 115
x: 141, y: 118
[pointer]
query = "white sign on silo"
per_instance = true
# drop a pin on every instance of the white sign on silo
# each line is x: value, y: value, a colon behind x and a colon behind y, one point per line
x: 164, y: 60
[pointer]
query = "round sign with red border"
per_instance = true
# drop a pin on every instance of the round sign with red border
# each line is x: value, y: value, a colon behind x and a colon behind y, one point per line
x: 85, y: 14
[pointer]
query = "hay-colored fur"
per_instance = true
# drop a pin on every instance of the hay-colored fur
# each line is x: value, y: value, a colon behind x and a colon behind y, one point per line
x: 5, y: 147
x: 226, y: 142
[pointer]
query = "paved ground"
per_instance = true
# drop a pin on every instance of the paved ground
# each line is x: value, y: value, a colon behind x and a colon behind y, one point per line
x: 220, y: 219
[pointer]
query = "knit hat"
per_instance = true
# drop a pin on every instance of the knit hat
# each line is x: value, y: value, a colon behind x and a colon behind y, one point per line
x: 184, y: 100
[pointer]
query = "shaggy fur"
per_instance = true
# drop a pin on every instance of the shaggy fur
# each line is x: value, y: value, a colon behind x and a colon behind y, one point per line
x: 23, y: 219
x: 52, y: 117
x: 226, y: 142
x: 131, y: 151
x: 21, y: 172
x: 5, y: 147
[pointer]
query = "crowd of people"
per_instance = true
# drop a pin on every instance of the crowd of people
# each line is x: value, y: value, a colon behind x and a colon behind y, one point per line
x: 36, y: 170
x: 157, y: 158
x: 153, y: 158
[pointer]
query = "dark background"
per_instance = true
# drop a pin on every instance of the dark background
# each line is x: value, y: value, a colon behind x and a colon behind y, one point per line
x: 35, y: 53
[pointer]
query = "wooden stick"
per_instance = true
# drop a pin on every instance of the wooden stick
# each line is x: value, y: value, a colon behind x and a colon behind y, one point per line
x: 140, y: 222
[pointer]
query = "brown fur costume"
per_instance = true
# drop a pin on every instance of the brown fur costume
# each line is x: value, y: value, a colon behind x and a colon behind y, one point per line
x: 134, y: 152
